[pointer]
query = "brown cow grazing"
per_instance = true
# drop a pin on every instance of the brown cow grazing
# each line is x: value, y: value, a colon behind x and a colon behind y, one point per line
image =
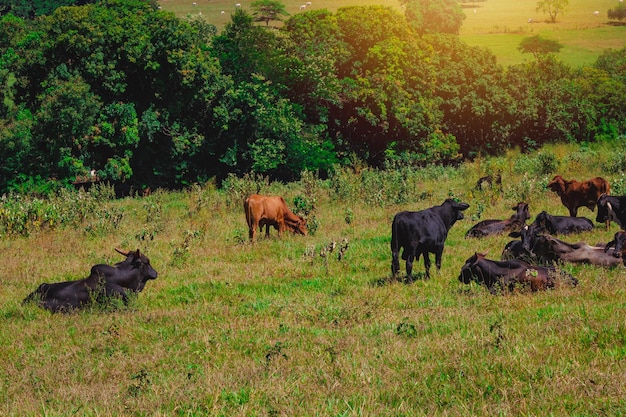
x: 576, y: 194
x: 271, y: 211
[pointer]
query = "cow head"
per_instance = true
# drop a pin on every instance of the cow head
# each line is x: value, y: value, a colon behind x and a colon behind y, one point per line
x: 458, y: 208
x: 137, y: 260
x: 522, y: 212
x: 469, y: 271
x: 528, y: 235
x: 605, y: 209
x: 298, y: 225
x: 557, y: 185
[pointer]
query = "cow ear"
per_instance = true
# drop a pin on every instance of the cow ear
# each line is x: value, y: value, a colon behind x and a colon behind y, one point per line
x: 515, y: 234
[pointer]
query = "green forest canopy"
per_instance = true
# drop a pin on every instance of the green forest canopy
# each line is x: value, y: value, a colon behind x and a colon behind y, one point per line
x: 144, y: 98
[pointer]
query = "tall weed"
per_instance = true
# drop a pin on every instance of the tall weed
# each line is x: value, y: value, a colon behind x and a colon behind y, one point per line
x: 237, y: 189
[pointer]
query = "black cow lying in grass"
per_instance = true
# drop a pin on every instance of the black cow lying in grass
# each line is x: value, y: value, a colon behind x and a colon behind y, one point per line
x: 105, y: 281
x: 543, y: 248
x: 508, y: 275
x: 563, y: 225
x: 496, y: 227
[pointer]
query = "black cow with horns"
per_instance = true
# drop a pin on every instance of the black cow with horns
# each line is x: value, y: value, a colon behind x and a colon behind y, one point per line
x: 612, y: 208
x: 422, y: 232
x: 104, y: 281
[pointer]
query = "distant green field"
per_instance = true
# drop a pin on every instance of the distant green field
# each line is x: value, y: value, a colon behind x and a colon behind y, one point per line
x: 501, y: 25
x: 498, y: 25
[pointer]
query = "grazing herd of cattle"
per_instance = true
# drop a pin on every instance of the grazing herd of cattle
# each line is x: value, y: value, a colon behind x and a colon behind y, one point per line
x: 529, y: 261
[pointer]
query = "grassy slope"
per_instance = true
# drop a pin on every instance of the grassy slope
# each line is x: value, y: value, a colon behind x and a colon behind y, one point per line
x: 236, y: 329
x: 501, y: 25
x: 498, y: 25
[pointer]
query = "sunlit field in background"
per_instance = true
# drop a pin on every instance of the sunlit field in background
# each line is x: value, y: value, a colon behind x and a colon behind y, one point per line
x: 498, y: 25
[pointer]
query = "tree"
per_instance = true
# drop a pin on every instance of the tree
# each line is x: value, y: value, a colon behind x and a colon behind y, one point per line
x: 266, y: 10
x: 118, y: 87
x: 29, y: 9
x: 552, y: 8
x: 539, y: 46
x: 434, y: 16
x: 618, y: 13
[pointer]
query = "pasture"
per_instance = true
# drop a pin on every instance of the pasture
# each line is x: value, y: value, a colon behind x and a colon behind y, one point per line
x: 498, y: 25
x: 286, y: 328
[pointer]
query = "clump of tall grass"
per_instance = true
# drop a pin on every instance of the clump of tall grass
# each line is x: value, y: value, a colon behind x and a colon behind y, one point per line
x: 237, y: 188
x: 22, y: 214
x: 543, y: 162
x: 384, y: 187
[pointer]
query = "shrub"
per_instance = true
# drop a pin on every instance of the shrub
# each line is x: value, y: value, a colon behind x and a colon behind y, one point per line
x: 237, y: 189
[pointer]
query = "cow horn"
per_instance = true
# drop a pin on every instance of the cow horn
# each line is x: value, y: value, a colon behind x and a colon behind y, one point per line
x: 125, y: 253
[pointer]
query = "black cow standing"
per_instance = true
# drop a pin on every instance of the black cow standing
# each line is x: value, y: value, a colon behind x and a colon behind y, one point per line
x: 421, y: 232
x: 103, y: 282
x: 612, y: 208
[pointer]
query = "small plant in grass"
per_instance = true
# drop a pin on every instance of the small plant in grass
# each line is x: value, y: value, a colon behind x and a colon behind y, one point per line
x: 305, y: 203
x: 180, y: 255
x: 406, y: 328
x: 326, y: 251
x: 275, y: 352
x: 240, y: 236
x: 139, y: 383
x: 497, y: 331
x: 479, y: 211
x: 349, y: 216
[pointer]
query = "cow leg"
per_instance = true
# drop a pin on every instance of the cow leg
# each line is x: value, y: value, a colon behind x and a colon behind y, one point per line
x: 438, y: 255
x: 252, y: 230
x: 573, y: 211
x: 395, y: 263
x: 427, y: 264
x: 409, y: 264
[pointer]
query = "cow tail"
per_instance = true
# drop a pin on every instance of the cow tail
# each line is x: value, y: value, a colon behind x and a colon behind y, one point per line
x: 248, y: 210
x: 394, y: 236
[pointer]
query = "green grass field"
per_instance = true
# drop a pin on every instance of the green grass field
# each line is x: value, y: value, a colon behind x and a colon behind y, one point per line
x: 274, y: 328
x: 498, y: 25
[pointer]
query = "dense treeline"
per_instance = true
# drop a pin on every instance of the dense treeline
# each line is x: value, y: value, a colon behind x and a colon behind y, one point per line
x: 144, y: 98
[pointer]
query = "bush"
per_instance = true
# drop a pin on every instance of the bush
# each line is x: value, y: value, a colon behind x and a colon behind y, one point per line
x: 238, y: 189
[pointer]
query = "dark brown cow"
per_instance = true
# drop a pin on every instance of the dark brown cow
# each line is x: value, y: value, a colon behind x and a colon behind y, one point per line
x: 549, y: 249
x: 575, y: 194
x: 508, y: 274
x: 271, y: 211
x: 495, y: 227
